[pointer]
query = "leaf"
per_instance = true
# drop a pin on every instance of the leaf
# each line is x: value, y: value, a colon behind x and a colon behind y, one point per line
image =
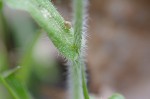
x: 1, y: 4
x: 12, y: 84
x: 52, y: 22
x: 10, y: 72
x: 17, y: 87
x: 117, y: 96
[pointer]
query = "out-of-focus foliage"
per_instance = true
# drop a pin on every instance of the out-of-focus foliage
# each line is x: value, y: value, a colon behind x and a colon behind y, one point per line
x: 14, y: 86
x: 117, y: 96
x: 1, y: 4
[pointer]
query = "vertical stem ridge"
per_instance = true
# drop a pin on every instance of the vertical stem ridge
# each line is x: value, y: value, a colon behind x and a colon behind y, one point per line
x: 78, y: 22
x: 79, y: 38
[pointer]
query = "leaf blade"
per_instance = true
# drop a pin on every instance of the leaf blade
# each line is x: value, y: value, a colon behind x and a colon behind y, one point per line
x: 14, y: 86
x: 117, y: 96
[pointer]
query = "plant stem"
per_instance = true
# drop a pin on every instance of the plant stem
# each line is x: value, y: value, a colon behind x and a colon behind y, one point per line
x: 84, y: 85
x: 46, y: 15
x: 79, y: 18
x: 78, y: 74
x: 75, y: 80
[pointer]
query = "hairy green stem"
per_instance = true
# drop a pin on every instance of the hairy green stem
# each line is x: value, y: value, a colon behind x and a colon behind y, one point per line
x: 51, y: 21
x: 78, y: 21
x: 75, y: 80
x: 79, y: 37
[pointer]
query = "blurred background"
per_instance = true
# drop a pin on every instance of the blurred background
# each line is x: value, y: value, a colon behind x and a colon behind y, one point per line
x: 118, y: 54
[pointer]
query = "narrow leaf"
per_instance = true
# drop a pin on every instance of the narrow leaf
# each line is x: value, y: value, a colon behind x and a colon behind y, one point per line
x: 117, y: 96
x: 17, y: 87
x: 12, y: 84
x: 10, y: 72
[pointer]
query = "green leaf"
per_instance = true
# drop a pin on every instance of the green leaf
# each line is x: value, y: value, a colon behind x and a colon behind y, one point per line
x: 1, y: 4
x: 10, y: 72
x: 18, y: 88
x: 15, y: 88
x: 52, y: 22
x: 24, y: 73
x: 117, y: 96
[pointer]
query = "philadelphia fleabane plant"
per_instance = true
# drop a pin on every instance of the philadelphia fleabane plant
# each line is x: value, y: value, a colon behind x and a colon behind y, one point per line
x: 69, y: 38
